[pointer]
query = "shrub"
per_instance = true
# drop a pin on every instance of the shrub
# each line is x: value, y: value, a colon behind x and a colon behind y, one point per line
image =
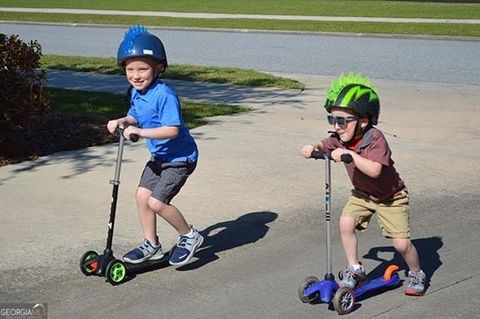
x: 23, y: 98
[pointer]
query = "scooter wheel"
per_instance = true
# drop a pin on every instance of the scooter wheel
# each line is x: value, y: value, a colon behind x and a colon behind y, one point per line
x: 88, y: 264
x: 344, y: 300
x: 301, y: 291
x: 116, y: 272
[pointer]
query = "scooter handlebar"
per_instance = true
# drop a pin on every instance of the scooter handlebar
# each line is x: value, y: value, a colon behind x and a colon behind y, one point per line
x: 133, y: 137
x: 346, y: 158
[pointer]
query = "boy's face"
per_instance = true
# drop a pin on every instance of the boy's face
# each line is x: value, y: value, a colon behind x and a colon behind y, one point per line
x: 344, y: 122
x: 141, y: 71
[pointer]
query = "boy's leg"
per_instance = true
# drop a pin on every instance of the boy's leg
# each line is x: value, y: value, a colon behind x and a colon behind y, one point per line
x: 150, y: 248
x: 170, y: 214
x: 355, y: 215
x: 349, y: 239
x: 408, y: 251
x: 172, y: 179
x: 189, y: 239
x: 393, y: 218
x: 146, y: 216
x: 416, y: 277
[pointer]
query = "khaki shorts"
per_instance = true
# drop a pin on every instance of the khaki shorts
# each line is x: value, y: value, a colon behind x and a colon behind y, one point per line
x: 392, y: 215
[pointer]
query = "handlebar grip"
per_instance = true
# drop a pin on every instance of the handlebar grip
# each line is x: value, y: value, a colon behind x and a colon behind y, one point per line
x: 346, y: 158
x: 134, y: 137
x: 320, y: 155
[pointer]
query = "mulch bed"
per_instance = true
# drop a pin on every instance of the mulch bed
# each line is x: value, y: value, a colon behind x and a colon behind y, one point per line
x: 60, y: 132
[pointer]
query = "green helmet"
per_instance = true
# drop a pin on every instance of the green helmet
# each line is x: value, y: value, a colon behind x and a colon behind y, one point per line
x: 354, y: 92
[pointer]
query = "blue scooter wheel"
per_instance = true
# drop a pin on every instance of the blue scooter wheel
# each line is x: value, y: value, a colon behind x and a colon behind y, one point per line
x: 301, y: 290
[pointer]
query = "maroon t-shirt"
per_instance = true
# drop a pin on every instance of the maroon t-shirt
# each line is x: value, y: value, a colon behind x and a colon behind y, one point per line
x: 374, y: 147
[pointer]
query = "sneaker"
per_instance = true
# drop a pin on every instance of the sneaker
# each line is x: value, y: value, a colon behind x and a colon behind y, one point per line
x: 185, y: 248
x: 416, y: 283
x: 352, y: 278
x: 146, y: 251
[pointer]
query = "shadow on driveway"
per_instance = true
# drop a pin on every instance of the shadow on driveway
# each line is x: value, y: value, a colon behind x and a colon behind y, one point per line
x: 246, y: 229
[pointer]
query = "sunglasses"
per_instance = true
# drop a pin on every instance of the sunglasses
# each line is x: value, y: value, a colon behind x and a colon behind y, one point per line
x: 341, y: 120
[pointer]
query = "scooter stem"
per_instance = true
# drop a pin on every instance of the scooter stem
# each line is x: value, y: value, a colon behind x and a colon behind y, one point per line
x: 116, y: 184
x: 118, y: 166
x: 327, y: 212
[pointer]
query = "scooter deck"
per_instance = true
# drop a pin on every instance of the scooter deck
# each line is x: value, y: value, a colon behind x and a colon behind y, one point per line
x: 325, y: 288
x: 376, y: 284
x: 147, y: 265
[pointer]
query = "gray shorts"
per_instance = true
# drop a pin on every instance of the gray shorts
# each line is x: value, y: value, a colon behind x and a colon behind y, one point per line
x: 165, y: 179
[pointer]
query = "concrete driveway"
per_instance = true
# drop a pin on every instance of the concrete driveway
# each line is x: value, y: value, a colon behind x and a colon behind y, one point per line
x: 259, y: 205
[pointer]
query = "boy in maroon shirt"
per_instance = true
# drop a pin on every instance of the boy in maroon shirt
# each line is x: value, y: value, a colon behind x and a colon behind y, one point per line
x: 353, y: 108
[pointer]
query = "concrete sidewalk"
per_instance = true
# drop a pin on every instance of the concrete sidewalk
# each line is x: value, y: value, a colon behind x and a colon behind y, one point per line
x: 193, y: 91
x: 240, y: 16
x: 257, y: 202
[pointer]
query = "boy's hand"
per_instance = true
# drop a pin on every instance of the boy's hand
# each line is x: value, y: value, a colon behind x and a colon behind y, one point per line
x: 307, y: 150
x: 112, y: 126
x: 337, y: 154
x: 127, y: 133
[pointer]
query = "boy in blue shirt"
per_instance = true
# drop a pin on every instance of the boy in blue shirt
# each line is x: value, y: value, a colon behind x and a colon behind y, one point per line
x: 155, y: 115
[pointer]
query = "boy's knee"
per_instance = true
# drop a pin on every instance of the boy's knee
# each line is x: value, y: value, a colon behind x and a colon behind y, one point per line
x: 156, y: 205
x: 142, y: 195
x: 402, y: 245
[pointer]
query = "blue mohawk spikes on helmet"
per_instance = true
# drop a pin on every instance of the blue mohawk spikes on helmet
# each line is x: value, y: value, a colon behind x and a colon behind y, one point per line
x: 138, y: 42
x: 132, y: 32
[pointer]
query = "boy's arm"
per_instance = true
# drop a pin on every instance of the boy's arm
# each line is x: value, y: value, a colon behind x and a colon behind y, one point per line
x: 366, y: 166
x: 163, y: 132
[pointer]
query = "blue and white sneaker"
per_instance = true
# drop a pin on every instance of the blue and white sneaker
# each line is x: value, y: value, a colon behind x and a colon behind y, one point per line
x: 185, y: 248
x: 146, y: 251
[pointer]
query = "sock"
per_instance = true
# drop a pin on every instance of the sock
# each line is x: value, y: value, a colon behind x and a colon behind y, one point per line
x: 357, y: 267
x: 154, y: 244
x: 189, y: 234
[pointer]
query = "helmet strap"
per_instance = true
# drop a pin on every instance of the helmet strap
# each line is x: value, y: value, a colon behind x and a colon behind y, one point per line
x: 358, y: 133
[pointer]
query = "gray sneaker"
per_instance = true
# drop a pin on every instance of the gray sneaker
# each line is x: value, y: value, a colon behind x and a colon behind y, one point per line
x: 145, y: 251
x: 352, y: 278
x: 416, y: 283
x: 185, y: 248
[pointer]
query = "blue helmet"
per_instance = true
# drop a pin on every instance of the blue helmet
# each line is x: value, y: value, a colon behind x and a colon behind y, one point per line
x: 137, y: 42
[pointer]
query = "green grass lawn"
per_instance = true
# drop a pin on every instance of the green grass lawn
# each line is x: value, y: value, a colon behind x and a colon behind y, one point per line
x: 174, y: 71
x: 106, y: 106
x: 356, y: 8
x: 400, y: 9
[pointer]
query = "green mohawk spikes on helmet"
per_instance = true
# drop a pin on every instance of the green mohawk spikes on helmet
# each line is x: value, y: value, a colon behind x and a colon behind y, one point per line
x: 354, y: 92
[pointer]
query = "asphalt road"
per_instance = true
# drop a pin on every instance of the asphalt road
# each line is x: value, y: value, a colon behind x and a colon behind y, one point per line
x: 406, y: 59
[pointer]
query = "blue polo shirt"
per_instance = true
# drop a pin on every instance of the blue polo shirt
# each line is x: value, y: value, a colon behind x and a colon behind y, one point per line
x: 159, y: 106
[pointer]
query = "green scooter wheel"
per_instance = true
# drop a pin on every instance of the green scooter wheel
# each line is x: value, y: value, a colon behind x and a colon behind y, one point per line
x: 116, y: 272
x: 88, y: 264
